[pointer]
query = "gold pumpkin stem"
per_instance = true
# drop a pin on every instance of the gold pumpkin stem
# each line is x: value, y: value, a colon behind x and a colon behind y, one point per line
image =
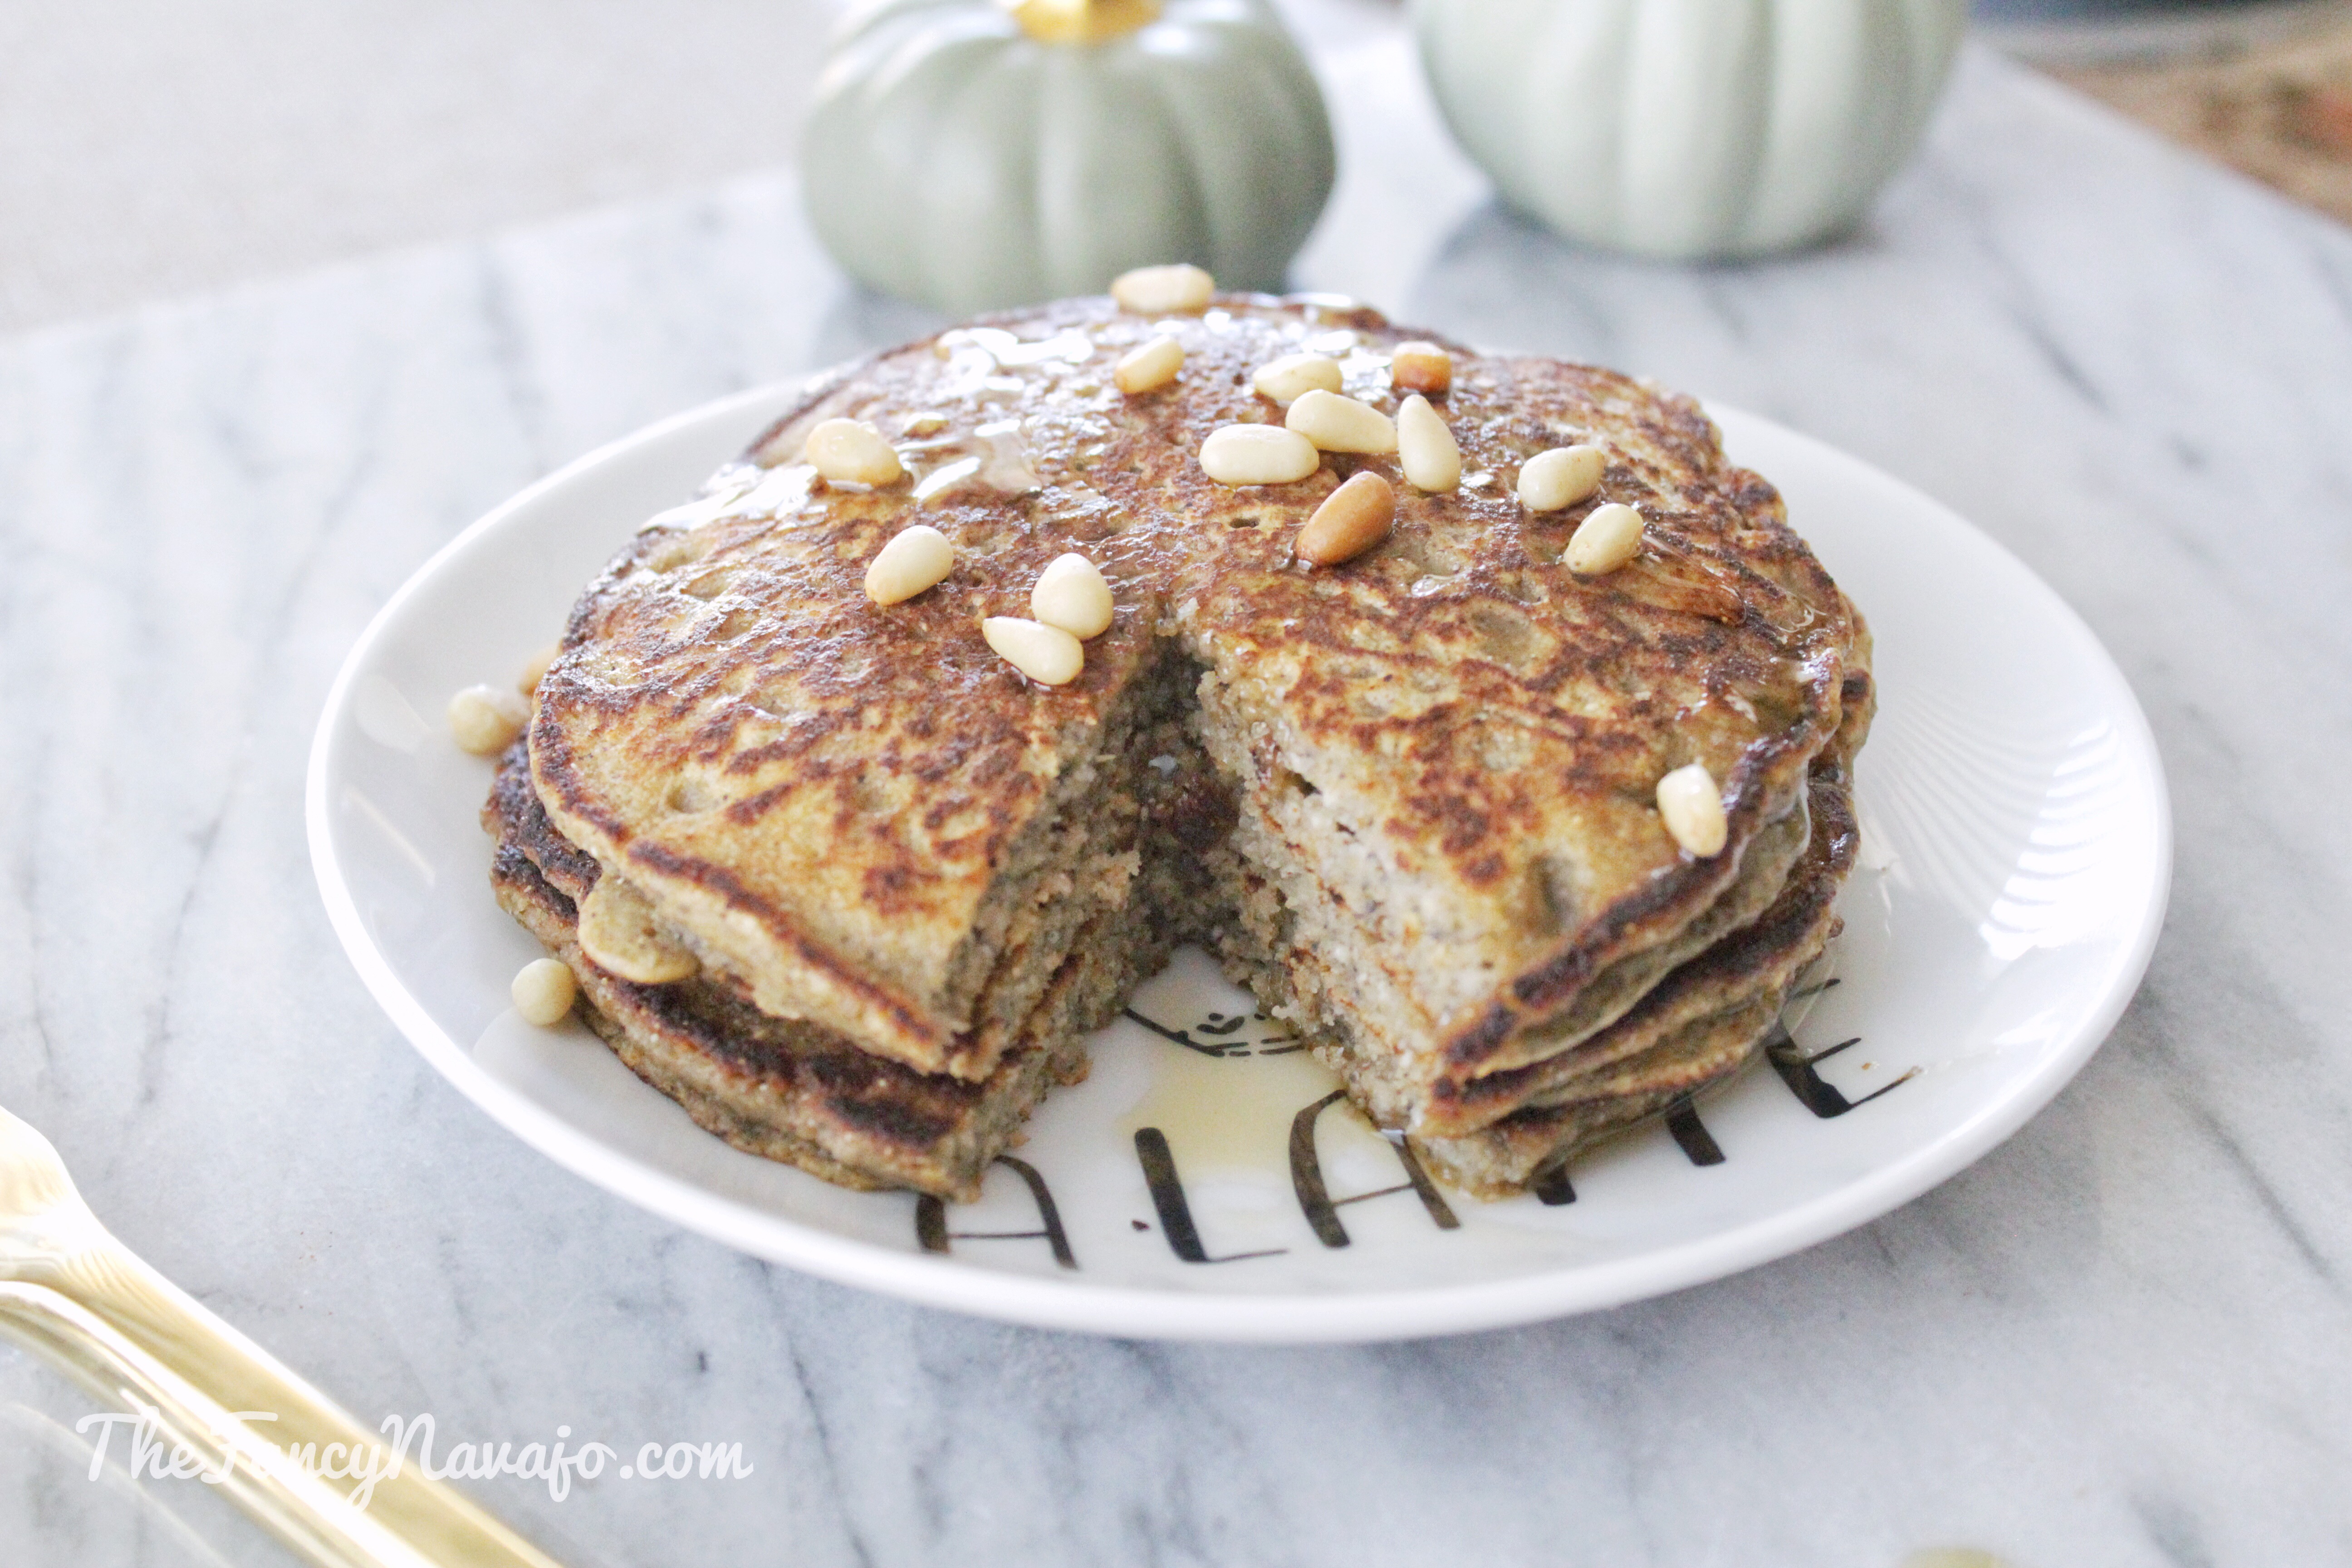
x: 1082, y: 21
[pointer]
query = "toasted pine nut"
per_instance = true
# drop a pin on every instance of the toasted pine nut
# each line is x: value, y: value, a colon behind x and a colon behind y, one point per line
x: 1163, y: 290
x: 1605, y: 541
x: 1257, y: 454
x: 535, y: 670
x: 1561, y: 476
x: 1337, y: 424
x: 1071, y: 594
x: 485, y: 720
x: 1044, y: 654
x: 1692, y: 808
x: 1149, y: 366
x: 913, y: 560
x: 1351, y: 520
x: 1422, y: 367
x: 544, y: 990
x: 851, y: 451
x: 617, y: 932
x: 1284, y: 379
x: 1426, y: 450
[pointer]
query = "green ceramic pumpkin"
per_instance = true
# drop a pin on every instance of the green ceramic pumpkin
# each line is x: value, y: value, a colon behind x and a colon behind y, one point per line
x: 969, y: 157
x: 1689, y: 128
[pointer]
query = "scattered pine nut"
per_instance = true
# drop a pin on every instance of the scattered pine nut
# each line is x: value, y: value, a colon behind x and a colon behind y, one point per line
x: 1422, y: 367
x: 543, y: 991
x: 1426, y: 448
x: 1149, y: 366
x: 617, y: 932
x: 1608, y: 539
x: 1163, y: 290
x: 1283, y: 380
x: 913, y: 560
x: 485, y: 720
x: 1071, y: 594
x: 851, y: 451
x: 1047, y: 655
x: 1351, y: 520
x: 535, y: 670
x: 1258, y: 455
x: 1337, y: 424
x: 1692, y: 808
x: 1561, y: 476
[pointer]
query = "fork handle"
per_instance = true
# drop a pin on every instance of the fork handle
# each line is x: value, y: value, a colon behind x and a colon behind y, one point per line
x: 133, y: 1337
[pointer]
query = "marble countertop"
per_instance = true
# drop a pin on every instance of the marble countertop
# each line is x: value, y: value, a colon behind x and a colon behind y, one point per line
x: 2124, y: 1338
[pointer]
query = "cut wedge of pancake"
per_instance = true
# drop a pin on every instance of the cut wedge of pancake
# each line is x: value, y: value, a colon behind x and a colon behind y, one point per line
x: 1418, y: 789
x: 795, y: 1091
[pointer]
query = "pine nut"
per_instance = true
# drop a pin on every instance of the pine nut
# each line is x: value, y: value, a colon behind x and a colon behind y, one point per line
x: 1149, y: 367
x: 851, y: 451
x: 1163, y: 290
x: 1284, y: 379
x: 1561, y: 476
x: 913, y: 560
x: 485, y: 720
x: 617, y: 932
x: 1422, y: 367
x: 535, y: 670
x: 1692, y: 808
x: 1425, y: 448
x: 1351, y: 520
x: 1605, y: 541
x: 1047, y: 655
x: 1337, y: 424
x: 1071, y: 594
x: 1257, y: 454
x: 543, y: 991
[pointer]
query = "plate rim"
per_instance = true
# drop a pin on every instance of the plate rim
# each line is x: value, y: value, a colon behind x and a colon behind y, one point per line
x: 1286, y: 1318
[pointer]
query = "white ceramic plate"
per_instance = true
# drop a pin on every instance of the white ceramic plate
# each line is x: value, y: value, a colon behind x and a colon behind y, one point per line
x: 2017, y: 850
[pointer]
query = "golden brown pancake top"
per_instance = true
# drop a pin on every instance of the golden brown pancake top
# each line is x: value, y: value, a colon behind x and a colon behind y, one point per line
x: 819, y: 791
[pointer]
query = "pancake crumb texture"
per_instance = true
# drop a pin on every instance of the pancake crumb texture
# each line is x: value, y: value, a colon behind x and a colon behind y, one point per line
x: 1407, y: 792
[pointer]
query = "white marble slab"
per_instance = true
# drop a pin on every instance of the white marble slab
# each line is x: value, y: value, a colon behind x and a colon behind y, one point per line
x: 2122, y: 1338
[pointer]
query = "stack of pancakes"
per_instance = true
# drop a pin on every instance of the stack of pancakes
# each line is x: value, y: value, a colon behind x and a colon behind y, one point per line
x: 854, y: 888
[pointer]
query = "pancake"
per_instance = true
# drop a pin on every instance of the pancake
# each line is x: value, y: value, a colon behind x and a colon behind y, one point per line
x: 798, y: 1093
x: 1698, y: 1029
x: 1420, y: 787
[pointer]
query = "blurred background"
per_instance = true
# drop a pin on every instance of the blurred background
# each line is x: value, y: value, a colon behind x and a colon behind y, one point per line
x: 154, y: 148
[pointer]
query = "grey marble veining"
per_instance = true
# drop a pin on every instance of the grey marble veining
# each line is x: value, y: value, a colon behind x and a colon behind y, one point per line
x: 2124, y: 1338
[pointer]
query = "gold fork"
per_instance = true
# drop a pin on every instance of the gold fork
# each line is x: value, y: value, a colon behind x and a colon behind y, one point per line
x: 69, y: 1291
